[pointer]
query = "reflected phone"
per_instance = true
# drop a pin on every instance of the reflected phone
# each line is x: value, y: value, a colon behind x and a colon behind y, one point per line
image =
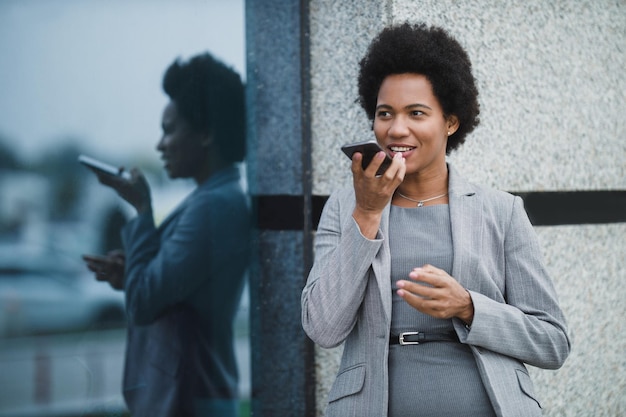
x: 94, y: 258
x: 368, y: 149
x: 103, y: 167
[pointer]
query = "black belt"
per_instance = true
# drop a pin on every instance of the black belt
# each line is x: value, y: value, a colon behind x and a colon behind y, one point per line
x: 415, y: 338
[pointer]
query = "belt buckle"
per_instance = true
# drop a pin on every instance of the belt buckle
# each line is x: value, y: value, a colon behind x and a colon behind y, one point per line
x: 401, y: 338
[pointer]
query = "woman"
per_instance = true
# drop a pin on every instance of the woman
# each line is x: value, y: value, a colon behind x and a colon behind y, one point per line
x: 183, y: 280
x: 435, y: 285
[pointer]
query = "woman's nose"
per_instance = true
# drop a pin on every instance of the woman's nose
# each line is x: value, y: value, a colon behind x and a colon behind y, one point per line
x: 398, y: 128
x: 161, y: 144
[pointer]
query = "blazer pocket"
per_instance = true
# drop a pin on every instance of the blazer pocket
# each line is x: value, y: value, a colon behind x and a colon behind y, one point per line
x: 526, y: 385
x: 348, y: 382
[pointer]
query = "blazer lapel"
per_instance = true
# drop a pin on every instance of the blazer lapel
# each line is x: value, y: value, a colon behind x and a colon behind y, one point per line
x: 465, y: 215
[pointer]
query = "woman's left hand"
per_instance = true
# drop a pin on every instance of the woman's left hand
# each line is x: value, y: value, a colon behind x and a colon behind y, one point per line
x: 442, y: 298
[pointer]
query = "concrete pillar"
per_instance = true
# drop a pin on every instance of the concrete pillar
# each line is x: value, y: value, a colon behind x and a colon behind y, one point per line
x: 279, y: 179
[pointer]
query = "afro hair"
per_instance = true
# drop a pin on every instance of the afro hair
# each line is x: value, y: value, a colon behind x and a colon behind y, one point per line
x: 429, y: 51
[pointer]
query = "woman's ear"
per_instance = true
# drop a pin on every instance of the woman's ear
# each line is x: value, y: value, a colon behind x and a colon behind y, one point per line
x: 452, y: 123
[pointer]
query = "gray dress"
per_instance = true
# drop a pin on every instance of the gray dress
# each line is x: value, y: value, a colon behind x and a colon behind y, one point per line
x: 436, y: 379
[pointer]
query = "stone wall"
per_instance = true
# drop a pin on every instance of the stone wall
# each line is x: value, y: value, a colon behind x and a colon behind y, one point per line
x: 552, y: 94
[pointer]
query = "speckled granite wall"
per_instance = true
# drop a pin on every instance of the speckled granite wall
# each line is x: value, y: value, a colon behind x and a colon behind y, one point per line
x: 587, y: 263
x: 553, y: 98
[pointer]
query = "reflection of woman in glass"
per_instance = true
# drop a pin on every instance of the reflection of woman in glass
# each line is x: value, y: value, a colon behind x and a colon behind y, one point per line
x: 183, y: 280
x: 435, y: 285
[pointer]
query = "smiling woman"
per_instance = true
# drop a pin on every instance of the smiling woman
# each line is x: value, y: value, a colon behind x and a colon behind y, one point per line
x: 84, y: 77
x: 440, y: 278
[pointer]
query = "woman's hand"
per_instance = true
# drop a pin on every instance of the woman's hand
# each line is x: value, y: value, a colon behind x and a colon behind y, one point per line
x: 372, y: 192
x: 443, y: 297
x: 135, y: 191
x: 109, y: 268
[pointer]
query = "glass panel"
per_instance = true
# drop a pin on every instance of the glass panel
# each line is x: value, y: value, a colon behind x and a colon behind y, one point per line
x: 81, y: 77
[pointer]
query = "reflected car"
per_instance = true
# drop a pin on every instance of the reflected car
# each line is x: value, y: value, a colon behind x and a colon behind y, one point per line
x: 41, y: 293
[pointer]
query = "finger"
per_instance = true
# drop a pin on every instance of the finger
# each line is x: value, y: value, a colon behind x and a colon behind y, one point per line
x: 397, y: 169
x: 418, y: 289
x: 413, y: 300
x: 102, y: 276
x: 434, y: 308
x: 430, y: 275
x: 428, y: 268
x: 428, y: 278
x: 357, y: 159
x: 119, y: 262
x: 97, y: 265
x: 431, y: 268
x: 375, y: 163
x: 92, y: 266
x: 105, y: 179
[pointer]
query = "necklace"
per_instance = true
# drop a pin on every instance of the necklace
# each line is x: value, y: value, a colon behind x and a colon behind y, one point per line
x: 420, y: 203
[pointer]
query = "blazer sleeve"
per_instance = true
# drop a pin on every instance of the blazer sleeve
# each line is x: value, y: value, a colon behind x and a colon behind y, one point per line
x: 163, y: 269
x: 530, y: 325
x: 337, y: 282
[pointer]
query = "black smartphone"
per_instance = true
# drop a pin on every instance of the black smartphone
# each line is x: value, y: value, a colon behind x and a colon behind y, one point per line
x: 103, y: 167
x: 368, y: 149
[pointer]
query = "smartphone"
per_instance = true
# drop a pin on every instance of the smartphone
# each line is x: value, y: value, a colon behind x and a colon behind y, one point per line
x: 103, y: 167
x: 368, y: 149
x: 94, y: 258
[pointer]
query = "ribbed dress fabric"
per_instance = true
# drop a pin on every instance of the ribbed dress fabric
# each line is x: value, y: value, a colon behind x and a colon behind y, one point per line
x: 438, y: 379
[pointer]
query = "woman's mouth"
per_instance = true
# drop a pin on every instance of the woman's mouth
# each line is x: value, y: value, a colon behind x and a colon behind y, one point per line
x: 404, y: 150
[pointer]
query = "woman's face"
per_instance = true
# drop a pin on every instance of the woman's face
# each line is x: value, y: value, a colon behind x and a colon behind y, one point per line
x: 183, y: 150
x: 410, y: 120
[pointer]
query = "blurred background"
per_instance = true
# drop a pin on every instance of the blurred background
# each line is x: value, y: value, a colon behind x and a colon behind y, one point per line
x: 84, y: 77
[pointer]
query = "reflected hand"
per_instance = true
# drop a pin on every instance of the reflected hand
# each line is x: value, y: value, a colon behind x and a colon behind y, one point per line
x: 442, y: 298
x: 135, y: 191
x: 109, y: 268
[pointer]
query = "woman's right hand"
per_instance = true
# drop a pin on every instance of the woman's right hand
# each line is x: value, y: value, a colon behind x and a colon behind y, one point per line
x: 135, y: 191
x: 372, y: 192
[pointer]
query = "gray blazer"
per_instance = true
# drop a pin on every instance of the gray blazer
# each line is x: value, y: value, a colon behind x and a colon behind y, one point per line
x: 517, y: 319
x: 183, y: 283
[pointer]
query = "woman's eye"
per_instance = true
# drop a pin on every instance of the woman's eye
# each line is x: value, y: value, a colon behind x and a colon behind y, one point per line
x: 416, y: 113
x: 383, y: 113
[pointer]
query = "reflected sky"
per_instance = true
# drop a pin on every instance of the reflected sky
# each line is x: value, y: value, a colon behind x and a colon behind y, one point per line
x: 92, y: 70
